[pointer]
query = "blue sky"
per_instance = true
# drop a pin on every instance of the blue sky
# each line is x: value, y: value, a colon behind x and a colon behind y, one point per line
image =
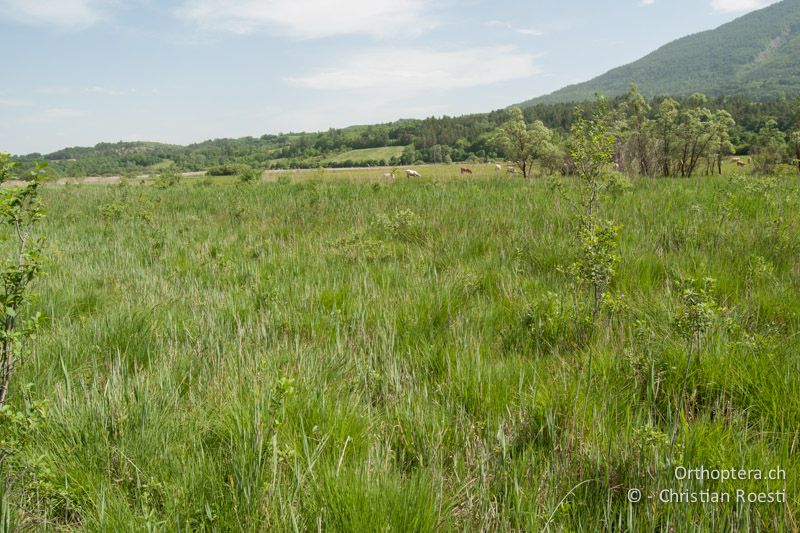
x: 78, y: 72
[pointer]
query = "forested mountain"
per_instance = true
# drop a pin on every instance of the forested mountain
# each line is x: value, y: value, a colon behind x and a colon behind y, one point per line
x: 757, y: 55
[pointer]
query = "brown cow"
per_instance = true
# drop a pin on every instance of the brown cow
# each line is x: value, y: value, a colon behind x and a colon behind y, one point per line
x: 465, y: 170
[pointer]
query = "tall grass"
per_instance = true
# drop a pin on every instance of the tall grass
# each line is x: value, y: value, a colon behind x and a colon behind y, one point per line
x: 408, y: 356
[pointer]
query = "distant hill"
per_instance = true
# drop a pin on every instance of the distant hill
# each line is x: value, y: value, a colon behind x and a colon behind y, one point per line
x: 401, y: 142
x: 385, y: 153
x: 757, y: 56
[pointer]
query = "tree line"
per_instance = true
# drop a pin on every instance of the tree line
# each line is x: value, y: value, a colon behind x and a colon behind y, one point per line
x: 664, y: 137
x: 660, y: 136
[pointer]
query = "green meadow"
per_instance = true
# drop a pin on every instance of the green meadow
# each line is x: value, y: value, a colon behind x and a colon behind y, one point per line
x: 369, y: 154
x: 339, y: 352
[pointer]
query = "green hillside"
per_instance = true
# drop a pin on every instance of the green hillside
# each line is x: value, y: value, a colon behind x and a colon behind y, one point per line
x: 368, y: 154
x: 757, y: 55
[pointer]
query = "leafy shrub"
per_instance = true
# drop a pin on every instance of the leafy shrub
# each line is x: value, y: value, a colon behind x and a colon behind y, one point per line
x: 26, y: 478
x: 248, y: 175
x: 403, y: 225
x: 770, y: 148
x: 112, y: 212
x: 556, y: 325
x: 599, y: 257
x: 698, y: 308
x: 168, y: 177
x: 228, y: 169
x: 20, y: 211
x: 361, y: 248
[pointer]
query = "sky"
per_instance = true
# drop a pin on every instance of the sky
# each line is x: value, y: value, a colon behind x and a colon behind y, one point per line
x: 79, y: 72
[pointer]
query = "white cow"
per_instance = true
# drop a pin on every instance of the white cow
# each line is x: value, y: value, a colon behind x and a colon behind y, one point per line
x: 412, y: 174
x: 388, y: 176
x: 498, y: 167
x: 511, y: 169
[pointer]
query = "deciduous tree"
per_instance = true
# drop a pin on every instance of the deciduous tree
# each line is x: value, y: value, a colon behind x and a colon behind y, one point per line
x: 637, y: 134
x: 20, y: 210
x: 721, y: 144
x: 521, y: 142
x: 770, y: 147
x: 666, y: 128
x: 694, y: 134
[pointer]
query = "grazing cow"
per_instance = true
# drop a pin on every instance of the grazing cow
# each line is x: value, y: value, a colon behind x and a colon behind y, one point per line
x: 498, y: 167
x: 388, y: 176
x: 740, y: 163
x: 412, y: 174
x: 511, y: 169
x: 465, y: 170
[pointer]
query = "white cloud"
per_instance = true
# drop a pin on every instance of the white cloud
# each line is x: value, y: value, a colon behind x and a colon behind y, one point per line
x: 68, y: 14
x: 647, y: 2
x: 14, y: 102
x: 530, y: 31
x: 308, y: 19
x: 732, y: 6
x: 508, y: 26
x: 423, y: 69
x: 55, y: 114
x: 53, y: 89
x: 97, y: 89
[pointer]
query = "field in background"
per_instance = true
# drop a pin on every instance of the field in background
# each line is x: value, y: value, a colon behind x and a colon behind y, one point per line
x: 348, y: 353
x: 428, y: 171
x: 369, y: 154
